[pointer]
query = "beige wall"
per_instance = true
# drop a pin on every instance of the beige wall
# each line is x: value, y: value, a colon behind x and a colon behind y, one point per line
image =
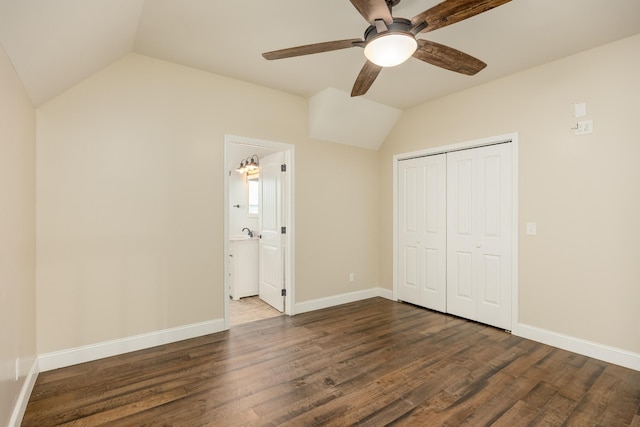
x: 130, y: 195
x: 130, y: 201
x: 580, y: 275
x: 336, y: 220
x: 17, y: 235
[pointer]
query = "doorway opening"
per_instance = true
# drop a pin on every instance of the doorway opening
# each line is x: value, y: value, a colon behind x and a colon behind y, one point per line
x: 258, y: 230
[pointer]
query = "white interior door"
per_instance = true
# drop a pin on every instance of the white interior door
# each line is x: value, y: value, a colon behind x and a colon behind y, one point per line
x: 271, y: 243
x: 422, y: 230
x: 479, y: 273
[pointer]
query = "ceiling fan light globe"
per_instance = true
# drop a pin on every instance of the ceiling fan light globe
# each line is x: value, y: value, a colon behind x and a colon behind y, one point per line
x: 389, y: 50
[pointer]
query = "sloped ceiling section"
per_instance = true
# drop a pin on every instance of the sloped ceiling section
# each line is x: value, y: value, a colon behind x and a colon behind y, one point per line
x: 336, y: 117
x: 56, y: 44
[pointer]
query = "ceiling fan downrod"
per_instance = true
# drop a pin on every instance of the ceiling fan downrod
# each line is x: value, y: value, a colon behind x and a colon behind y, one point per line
x: 399, y: 25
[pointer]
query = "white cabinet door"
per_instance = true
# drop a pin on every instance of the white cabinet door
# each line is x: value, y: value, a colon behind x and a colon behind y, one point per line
x: 479, y: 277
x: 271, y: 271
x: 243, y: 268
x: 422, y: 231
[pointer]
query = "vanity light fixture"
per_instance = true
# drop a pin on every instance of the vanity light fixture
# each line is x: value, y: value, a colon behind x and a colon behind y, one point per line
x: 250, y: 164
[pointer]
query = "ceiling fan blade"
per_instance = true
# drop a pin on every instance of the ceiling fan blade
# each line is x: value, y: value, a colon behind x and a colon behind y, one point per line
x: 451, y: 11
x: 366, y: 78
x: 313, y: 48
x: 447, y: 58
x: 373, y: 9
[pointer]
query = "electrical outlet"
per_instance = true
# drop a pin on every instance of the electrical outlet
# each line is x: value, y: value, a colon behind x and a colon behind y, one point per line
x: 584, y: 127
x: 352, y: 277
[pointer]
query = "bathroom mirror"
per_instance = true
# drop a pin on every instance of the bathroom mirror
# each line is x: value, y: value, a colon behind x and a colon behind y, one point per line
x: 253, y: 202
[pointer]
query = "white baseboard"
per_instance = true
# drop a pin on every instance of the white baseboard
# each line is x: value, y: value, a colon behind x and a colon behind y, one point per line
x: 25, y: 392
x: 586, y: 348
x: 385, y: 293
x: 73, y: 356
x: 320, y: 303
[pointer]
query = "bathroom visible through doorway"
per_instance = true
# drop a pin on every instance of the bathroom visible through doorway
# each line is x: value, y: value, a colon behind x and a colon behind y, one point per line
x: 258, y: 239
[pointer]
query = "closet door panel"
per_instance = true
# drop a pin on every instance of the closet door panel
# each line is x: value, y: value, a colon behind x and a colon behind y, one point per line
x: 462, y: 223
x: 408, y: 218
x: 409, y: 289
x: 479, y: 238
x: 494, y: 189
x: 433, y: 238
x: 422, y: 231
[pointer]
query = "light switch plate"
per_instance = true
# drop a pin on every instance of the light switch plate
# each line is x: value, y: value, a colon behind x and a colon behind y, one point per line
x: 532, y: 229
x: 580, y: 109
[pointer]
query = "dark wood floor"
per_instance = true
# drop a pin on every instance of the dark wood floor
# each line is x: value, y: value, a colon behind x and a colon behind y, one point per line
x: 373, y: 363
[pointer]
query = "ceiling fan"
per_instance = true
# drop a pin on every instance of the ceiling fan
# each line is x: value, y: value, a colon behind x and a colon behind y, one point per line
x: 389, y: 41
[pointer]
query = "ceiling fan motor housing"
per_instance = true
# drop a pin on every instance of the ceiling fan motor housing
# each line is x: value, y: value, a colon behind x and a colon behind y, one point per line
x: 399, y: 25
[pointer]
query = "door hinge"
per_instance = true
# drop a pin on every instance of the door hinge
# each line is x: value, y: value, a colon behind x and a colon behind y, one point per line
x: 283, y: 292
x: 283, y: 168
x: 283, y: 230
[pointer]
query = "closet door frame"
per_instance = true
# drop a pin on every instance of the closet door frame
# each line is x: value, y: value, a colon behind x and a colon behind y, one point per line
x: 511, y: 138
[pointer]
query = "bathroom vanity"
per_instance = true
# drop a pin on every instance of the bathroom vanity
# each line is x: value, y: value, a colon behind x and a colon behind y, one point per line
x: 243, y: 267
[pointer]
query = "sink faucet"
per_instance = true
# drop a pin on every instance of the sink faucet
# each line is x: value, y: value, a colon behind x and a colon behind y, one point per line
x: 249, y: 231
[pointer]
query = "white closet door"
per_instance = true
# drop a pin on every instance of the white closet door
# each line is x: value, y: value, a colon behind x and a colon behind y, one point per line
x: 479, y: 234
x: 422, y: 241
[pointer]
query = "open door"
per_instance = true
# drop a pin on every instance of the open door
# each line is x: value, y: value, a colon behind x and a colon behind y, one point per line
x: 271, y: 271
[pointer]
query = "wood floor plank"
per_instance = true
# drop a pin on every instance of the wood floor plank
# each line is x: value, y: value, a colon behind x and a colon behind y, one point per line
x: 373, y: 363
x: 609, y: 401
x: 519, y: 414
x: 555, y: 412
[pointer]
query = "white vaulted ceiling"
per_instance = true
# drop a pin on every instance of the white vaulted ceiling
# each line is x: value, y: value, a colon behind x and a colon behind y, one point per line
x: 54, y: 44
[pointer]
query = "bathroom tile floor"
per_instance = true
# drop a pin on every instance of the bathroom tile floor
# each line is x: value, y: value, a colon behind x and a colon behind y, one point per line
x: 250, y: 309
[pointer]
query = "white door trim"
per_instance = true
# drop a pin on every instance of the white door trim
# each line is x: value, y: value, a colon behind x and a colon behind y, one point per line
x: 289, y: 204
x: 509, y: 137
